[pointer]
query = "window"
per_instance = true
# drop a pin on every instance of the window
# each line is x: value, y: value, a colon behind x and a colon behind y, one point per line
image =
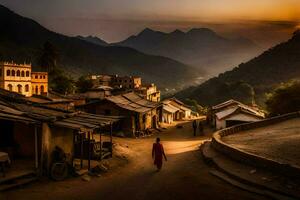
x: 36, y: 77
x: 27, y: 88
x: 44, y: 77
x: 19, y: 87
x: 36, y: 90
x: 13, y: 73
x: 41, y: 77
x: 27, y: 73
x: 0, y: 71
x: 42, y: 89
x: 18, y: 73
x: 22, y: 73
x: 10, y: 87
x: 8, y: 73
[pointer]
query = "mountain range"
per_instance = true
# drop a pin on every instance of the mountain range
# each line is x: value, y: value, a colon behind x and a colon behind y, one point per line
x: 93, y: 39
x: 21, y: 40
x: 200, y: 47
x: 251, y: 80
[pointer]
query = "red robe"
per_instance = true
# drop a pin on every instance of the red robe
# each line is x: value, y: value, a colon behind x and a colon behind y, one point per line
x: 158, y: 151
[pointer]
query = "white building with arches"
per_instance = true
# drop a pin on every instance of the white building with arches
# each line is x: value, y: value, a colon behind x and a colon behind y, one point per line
x: 20, y: 78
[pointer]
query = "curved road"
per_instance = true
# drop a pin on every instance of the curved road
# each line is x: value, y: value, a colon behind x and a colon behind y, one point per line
x: 184, y: 176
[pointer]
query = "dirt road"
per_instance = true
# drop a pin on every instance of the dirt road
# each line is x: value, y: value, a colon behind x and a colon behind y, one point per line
x: 184, y: 176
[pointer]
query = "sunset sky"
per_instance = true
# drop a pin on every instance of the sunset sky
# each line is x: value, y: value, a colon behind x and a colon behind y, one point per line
x: 115, y: 20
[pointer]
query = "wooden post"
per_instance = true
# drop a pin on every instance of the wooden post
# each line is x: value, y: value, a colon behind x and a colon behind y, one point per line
x: 111, y: 129
x: 81, y: 151
x: 36, y: 147
x: 100, y: 144
x: 89, y: 150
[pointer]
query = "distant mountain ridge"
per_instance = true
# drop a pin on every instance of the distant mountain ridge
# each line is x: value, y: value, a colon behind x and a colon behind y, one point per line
x: 21, y: 39
x: 259, y: 76
x: 201, y: 47
x: 93, y: 39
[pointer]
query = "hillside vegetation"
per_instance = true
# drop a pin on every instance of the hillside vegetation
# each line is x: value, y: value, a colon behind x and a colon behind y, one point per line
x: 261, y: 74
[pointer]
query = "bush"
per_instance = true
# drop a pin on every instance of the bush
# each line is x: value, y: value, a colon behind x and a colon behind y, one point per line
x: 84, y: 84
x: 284, y: 99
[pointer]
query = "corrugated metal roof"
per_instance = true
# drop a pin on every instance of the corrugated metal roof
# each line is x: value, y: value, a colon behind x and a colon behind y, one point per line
x: 176, y: 103
x: 18, y: 118
x: 237, y: 109
x: 26, y: 112
x: 169, y: 108
x: 133, y: 102
x: 227, y: 112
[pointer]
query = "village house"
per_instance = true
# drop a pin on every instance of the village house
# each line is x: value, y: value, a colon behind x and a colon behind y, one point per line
x: 149, y: 92
x: 169, y: 113
x: 232, y: 113
x: 116, y: 81
x: 99, y: 92
x: 184, y: 111
x: 20, y: 78
x: 140, y: 114
x: 174, y: 110
x: 124, y: 84
x: 39, y: 83
x: 31, y: 132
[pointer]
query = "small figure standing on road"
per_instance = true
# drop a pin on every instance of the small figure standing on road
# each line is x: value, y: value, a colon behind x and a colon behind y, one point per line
x: 195, y: 127
x: 158, y: 153
x: 201, y: 128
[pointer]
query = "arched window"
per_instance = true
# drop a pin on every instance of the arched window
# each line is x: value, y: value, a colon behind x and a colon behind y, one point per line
x: 42, y: 89
x: 27, y: 73
x: 10, y: 87
x: 18, y: 73
x: 13, y: 73
x: 27, y: 88
x: 19, y: 88
x: 8, y: 73
x: 22, y: 73
x: 36, y: 90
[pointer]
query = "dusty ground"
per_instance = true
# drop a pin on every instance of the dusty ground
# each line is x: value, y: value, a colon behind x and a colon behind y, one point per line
x: 184, y: 176
x: 279, y: 142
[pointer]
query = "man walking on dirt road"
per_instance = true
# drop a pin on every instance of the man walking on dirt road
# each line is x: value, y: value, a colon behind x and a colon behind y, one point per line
x: 158, y: 153
x: 195, y: 127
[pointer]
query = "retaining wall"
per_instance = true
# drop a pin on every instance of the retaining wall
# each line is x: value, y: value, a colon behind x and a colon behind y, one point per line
x: 252, y: 159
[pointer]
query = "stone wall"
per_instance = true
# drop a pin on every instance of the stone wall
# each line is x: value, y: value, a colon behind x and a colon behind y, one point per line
x: 252, y: 159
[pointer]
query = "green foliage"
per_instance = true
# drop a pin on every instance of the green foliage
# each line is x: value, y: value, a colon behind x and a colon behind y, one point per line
x: 284, y: 99
x: 60, y: 82
x: 196, y: 107
x: 83, y: 84
x: 216, y: 91
x: 243, y: 92
x: 278, y: 64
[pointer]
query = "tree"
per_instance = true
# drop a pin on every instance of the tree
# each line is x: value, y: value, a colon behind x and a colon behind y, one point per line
x: 243, y: 92
x: 284, y: 99
x: 61, y: 83
x: 195, y: 106
x: 49, y: 57
x: 84, y: 84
